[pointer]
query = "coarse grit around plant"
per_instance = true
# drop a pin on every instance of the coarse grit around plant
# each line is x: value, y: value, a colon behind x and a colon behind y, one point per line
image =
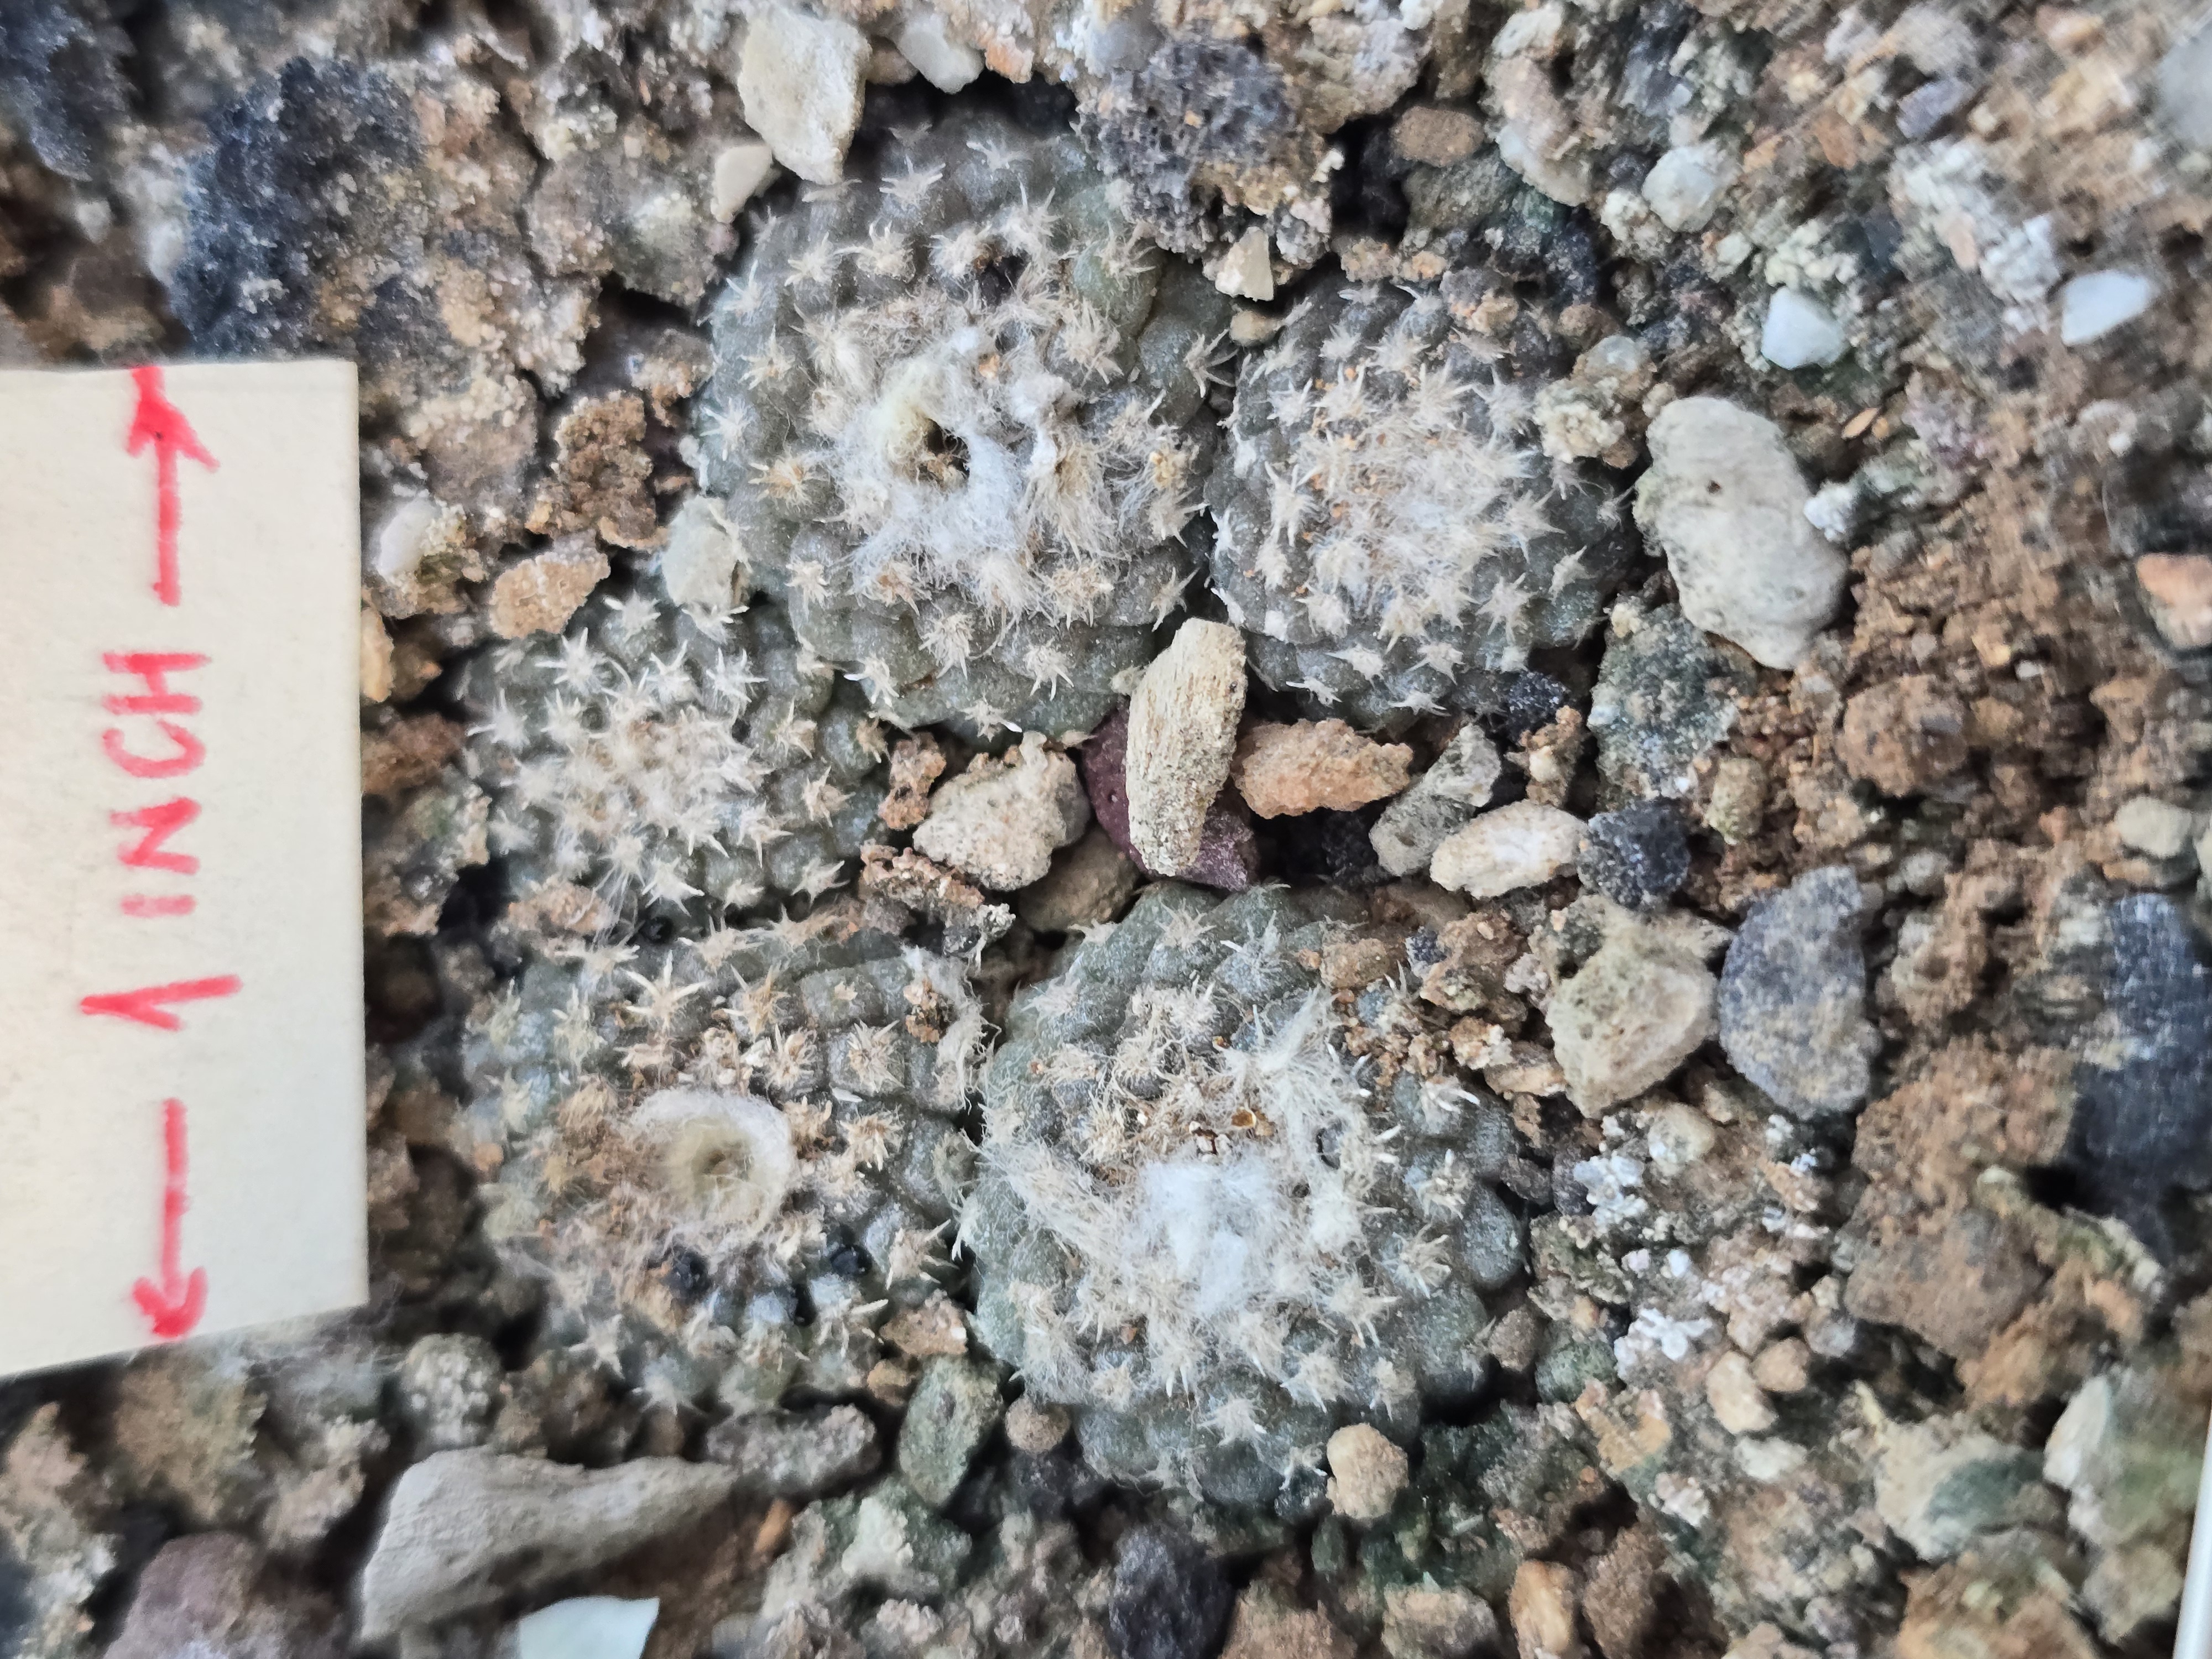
x: 1197, y: 1224
x: 1389, y: 527
x: 960, y: 418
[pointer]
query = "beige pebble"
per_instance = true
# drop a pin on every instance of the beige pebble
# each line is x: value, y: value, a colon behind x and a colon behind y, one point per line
x: 1033, y: 1428
x: 1001, y: 820
x: 1436, y: 136
x: 1784, y: 1367
x: 1736, y: 1398
x: 1511, y: 848
x: 1542, y: 1607
x: 1183, y: 735
x: 1367, y: 1472
x: 539, y: 595
x: 1285, y: 770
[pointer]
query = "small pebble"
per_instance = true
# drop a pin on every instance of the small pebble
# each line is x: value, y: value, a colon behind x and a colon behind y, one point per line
x: 2093, y: 306
x: 1513, y: 847
x: 1736, y: 1398
x: 1543, y: 1608
x: 1407, y: 833
x: 1637, y: 856
x: 1001, y: 820
x: 2178, y: 587
x: 1726, y: 503
x: 1283, y: 771
x: 1800, y: 332
x: 1246, y: 272
x: 2185, y: 87
x: 799, y: 78
x: 1685, y: 184
x: 1181, y: 738
x: 586, y: 1628
x: 1793, y: 997
x: 1367, y: 1472
x: 2154, y: 827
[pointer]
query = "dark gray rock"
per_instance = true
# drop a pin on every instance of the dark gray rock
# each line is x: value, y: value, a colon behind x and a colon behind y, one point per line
x: 274, y: 200
x: 1793, y: 997
x: 1637, y: 856
x: 60, y: 81
x: 2142, y: 1114
x: 1665, y: 697
x: 1171, y: 1599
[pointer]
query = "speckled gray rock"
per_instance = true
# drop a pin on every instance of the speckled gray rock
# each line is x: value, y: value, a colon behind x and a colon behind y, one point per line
x: 466, y: 1529
x: 1793, y: 997
x: 1171, y: 1599
x: 776, y: 1455
x: 1407, y: 835
x: 948, y: 1418
x: 1637, y: 856
x: 2139, y: 1123
x: 1665, y: 698
x: 1724, y: 500
x: 959, y: 419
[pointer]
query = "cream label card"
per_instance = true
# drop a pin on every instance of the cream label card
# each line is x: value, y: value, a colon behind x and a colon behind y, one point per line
x: 180, y: 996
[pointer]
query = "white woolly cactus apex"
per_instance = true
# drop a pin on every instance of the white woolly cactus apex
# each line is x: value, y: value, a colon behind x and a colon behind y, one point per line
x: 726, y: 1159
x: 1387, y: 521
x: 961, y: 417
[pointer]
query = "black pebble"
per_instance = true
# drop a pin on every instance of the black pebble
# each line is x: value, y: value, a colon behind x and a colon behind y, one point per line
x: 1171, y: 1599
x: 1637, y: 856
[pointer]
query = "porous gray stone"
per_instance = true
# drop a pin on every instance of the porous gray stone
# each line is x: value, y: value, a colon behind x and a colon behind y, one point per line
x: 780, y: 1457
x: 1725, y: 502
x: 1002, y: 819
x: 467, y: 1528
x: 950, y: 1417
x: 1638, y: 1009
x: 1793, y: 997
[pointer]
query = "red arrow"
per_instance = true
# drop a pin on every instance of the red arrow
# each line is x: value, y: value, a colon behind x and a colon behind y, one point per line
x: 148, y: 1004
x: 173, y: 1306
x: 158, y: 421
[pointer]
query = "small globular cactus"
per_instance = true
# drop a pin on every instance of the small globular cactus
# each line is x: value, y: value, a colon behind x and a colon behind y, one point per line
x: 667, y: 764
x: 1202, y: 1223
x: 694, y: 1142
x: 961, y: 418
x: 1388, y: 526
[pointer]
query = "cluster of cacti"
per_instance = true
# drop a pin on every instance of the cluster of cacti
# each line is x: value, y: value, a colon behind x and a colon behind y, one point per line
x: 960, y: 417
